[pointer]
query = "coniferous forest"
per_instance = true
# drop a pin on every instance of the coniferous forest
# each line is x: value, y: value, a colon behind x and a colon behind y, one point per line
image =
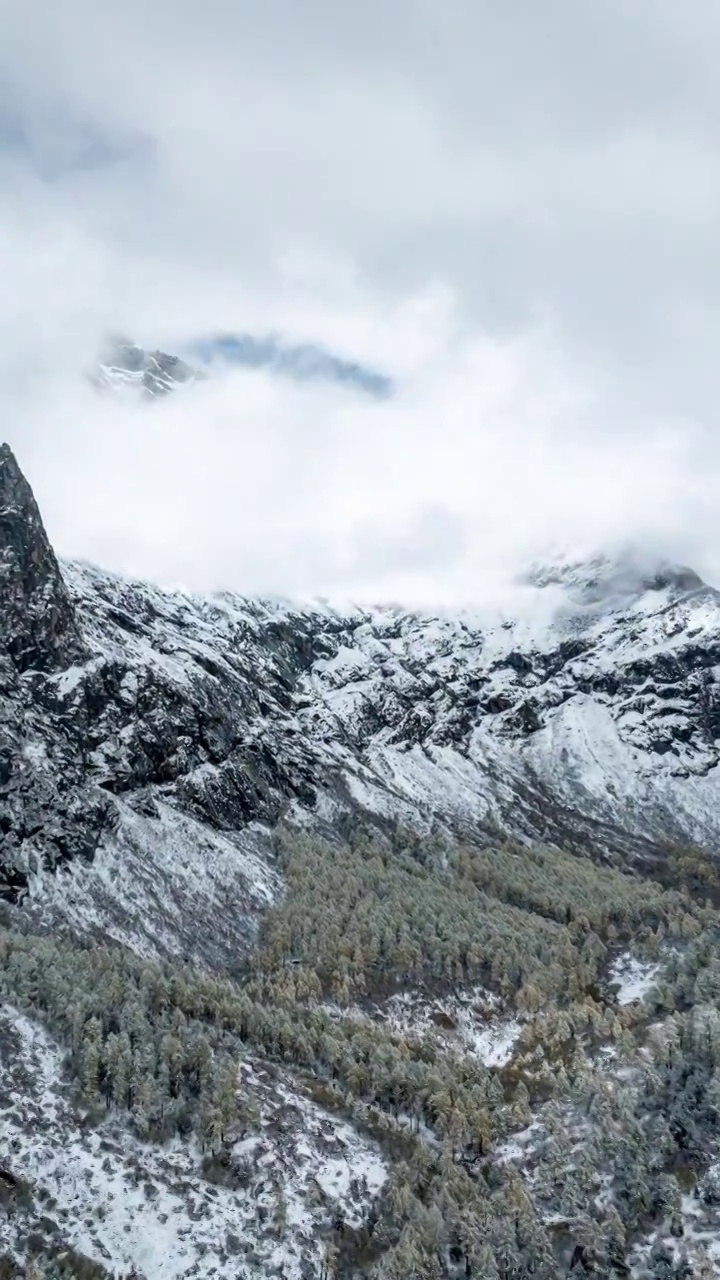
x: 573, y: 1157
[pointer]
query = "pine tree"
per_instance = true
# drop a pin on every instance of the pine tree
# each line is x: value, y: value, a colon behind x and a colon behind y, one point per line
x: 90, y: 1057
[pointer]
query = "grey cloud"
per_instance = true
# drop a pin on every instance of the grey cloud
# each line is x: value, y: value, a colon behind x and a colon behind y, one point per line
x: 410, y: 184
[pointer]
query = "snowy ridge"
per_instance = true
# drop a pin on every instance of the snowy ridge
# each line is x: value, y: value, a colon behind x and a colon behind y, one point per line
x: 196, y: 723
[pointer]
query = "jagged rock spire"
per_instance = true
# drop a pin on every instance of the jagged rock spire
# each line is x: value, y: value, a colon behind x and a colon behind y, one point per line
x: 38, y: 629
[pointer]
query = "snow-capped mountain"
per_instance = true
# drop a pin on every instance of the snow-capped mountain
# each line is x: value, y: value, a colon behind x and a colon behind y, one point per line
x: 228, y: 1050
x: 123, y: 366
x: 151, y: 739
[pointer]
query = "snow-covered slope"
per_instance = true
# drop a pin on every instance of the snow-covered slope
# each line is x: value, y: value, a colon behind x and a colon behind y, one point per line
x: 132, y: 1206
x: 150, y: 742
x: 151, y: 739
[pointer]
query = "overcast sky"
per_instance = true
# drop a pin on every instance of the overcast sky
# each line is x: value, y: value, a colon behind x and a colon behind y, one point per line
x: 513, y: 209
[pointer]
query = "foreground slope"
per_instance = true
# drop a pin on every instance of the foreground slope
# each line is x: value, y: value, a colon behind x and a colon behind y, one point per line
x: 134, y: 1204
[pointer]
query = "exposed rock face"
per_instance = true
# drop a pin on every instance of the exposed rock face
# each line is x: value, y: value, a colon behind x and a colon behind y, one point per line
x: 38, y: 630
x: 46, y: 815
x: 153, y: 373
x: 152, y: 756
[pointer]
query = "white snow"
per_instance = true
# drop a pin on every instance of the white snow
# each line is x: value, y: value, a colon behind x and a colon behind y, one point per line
x: 381, y: 701
x: 494, y: 1045
x: 165, y: 884
x: 520, y: 1145
x: 68, y: 681
x: 35, y: 752
x: 700, y: 1240
x: 635, y: 978
x: 468, y: 1023
x: 130, y: 1205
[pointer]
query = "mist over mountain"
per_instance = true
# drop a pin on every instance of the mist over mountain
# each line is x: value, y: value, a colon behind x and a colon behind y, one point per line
x: 123, y: 364
x: 306, y: 362
x: 359, y: 641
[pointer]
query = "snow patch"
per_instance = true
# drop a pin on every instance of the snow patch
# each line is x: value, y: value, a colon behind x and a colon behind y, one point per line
x: 634, y: 978
x: 468, y: 1023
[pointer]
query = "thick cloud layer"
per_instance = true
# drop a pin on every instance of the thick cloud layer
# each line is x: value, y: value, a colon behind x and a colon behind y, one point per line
x: 511, y: 210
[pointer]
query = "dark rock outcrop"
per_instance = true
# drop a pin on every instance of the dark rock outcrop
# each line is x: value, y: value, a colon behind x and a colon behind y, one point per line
x: 38, y: 629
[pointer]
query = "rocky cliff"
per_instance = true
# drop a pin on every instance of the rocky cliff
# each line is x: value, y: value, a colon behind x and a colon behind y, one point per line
x: 151, y: 739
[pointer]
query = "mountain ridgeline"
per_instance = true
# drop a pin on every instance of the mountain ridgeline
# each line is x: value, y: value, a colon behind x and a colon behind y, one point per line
x: 357, y: 942
x: 123, y: 365
x: 597, y: 731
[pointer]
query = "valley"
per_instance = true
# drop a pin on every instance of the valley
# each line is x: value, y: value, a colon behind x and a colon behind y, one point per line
x: 350, y: 941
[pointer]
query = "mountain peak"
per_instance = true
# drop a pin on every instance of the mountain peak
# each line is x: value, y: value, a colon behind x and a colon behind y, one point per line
x: 604, y: 579
x: 122, y: 364
x: 37, y: 626
x: 154, y: 373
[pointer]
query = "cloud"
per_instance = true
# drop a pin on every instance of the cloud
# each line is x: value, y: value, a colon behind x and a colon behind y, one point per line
x: 306, y: 363
x: 513, y: 214
x: 483, y: 461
